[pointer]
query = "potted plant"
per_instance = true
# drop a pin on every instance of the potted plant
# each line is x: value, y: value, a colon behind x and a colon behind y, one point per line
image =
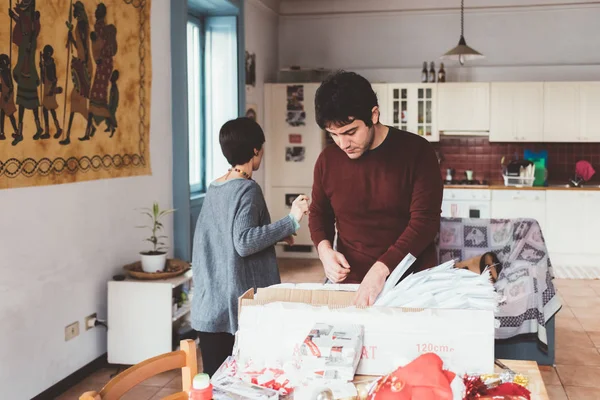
x: 155, y: 260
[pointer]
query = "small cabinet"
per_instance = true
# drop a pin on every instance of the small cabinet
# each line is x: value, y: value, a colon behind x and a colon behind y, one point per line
x: 414, y: 108
x: 517, y: 112
x: 463, y: 107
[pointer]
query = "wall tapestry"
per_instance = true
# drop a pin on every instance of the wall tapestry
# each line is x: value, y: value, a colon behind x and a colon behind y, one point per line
x: 75, y: 81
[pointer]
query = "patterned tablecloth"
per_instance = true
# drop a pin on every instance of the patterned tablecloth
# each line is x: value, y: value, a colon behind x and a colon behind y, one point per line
x: 525, y: 284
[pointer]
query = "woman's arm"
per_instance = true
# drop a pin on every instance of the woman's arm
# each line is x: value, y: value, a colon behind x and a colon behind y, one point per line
x: 250, y: 238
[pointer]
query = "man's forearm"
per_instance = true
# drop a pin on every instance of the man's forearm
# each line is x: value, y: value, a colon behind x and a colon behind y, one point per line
x: 323, y: 246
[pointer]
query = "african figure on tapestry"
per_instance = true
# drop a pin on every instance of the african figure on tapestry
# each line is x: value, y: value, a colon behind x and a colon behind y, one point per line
x: 75, y: 82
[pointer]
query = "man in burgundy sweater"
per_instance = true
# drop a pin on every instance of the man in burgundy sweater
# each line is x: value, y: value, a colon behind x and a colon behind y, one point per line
x: 381, y: 187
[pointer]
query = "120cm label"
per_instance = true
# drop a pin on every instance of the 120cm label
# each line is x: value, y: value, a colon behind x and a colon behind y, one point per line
x: 430, y: 347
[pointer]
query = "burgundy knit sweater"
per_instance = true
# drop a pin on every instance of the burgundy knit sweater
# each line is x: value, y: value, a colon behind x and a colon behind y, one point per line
x: 385, y: 204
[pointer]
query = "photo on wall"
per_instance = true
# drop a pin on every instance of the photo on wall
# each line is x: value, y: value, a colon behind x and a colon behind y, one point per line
x: 252, y: 112
x: 295, y: 106
x: 289, y: 198
x: 295, y: 154
x: 250, y: 69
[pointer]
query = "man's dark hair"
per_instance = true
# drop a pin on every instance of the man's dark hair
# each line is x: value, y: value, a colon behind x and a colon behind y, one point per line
x: 344, y: 97
x: 239, y: 138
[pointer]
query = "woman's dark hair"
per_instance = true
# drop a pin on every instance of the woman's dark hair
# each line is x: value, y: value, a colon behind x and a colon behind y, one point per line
x: 344, y: 97
x: 239, y: 138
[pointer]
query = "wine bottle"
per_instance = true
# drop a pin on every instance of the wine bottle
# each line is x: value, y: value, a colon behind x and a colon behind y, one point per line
x: 432, y: 73
x: 424, y: 73
x: 441, y: 74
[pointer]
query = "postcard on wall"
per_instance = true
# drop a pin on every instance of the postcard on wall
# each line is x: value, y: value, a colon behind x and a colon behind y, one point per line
x: 295, y: 138
x: 295, y: 105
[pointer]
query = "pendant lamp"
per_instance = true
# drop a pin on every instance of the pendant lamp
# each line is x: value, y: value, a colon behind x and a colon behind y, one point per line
x: 462, y: 52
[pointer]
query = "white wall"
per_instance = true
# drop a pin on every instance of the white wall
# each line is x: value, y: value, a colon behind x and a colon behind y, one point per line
x: 60, y: 244
x: 261, y: 29
x: 520, y: 43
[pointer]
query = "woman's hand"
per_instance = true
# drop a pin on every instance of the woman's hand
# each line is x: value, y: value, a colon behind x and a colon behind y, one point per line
x: 300, y: 207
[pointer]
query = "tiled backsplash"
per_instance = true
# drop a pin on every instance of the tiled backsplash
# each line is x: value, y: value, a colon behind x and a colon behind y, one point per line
x: 477, y: 153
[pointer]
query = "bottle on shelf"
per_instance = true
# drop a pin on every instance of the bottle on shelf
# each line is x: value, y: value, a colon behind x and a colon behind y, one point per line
x: 441, y: 74
x: 424, y: 73
x: 201, y: 388
x: 432, y: 73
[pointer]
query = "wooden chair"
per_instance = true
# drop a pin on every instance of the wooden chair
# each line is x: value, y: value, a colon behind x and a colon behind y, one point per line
x: 126, y: 380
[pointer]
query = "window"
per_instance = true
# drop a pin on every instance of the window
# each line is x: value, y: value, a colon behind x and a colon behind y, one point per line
x: 195, y: 108
x: 221, y: 66
x: 212, y: 94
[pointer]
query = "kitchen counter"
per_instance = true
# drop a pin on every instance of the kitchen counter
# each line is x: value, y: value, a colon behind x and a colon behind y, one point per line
x: 502, y: 187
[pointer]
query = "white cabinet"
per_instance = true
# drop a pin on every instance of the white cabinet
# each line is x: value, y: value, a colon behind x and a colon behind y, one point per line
x: 589, y: 108
x: 414, y: 108
x: 571, y: 112
x: 517, y: 112
x: 511, y: 204
x: 561, y: 118
x: 463, y: 107
x: 142, y: 319
x: 385, y: 114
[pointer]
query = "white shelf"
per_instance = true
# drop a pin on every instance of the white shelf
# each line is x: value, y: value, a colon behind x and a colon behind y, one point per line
x: 183, y: 311
x: 176, y: 281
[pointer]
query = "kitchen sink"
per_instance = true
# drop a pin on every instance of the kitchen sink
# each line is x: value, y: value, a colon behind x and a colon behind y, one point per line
x: 567, y: 186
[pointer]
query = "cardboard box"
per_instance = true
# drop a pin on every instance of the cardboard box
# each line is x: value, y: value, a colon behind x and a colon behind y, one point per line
x: 273, y: 324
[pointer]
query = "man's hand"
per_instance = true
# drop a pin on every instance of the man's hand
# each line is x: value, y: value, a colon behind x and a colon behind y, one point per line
x: 334, y: 263
x: 372, y: 285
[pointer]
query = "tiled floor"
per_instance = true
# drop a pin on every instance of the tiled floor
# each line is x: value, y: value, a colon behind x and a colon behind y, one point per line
x: 576, y: 376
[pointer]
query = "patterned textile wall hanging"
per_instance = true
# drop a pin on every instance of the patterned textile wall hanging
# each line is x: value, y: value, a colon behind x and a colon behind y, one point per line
x: 75, y: 81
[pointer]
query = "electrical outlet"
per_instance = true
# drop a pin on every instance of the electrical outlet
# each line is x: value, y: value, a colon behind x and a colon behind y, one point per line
x: 87, y: 321
x: 71, y: 331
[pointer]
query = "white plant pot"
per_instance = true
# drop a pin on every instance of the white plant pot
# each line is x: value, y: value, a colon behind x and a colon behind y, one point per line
x: 154, y: 262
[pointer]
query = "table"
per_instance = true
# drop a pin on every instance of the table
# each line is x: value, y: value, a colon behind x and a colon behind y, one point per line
x: 528, y: 368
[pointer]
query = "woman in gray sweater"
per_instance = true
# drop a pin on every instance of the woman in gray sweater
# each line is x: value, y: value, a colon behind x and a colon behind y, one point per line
x: 234, y: 242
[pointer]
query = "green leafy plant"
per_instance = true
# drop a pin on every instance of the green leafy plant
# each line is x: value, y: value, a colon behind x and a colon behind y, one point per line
x: 155, y: 214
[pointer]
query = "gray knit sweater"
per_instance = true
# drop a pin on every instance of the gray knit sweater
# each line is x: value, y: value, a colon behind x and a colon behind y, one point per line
x: 233, y: 251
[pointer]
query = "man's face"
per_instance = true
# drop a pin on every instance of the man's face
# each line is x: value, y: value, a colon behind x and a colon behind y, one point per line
x: 355, y: 138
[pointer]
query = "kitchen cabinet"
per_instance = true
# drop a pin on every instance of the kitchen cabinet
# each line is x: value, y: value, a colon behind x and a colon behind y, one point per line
x: 561, y: 119
x: 571, y: 112
x: 517, y: 112
x: 385, y: 114
x: 511, y: 204
x: 573, y: 218
x: 414, y: 108
x: 589, y: 105
x: 463, y: 107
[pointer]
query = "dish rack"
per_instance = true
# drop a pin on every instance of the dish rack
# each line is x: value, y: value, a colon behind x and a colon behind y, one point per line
x: 518, y: 181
